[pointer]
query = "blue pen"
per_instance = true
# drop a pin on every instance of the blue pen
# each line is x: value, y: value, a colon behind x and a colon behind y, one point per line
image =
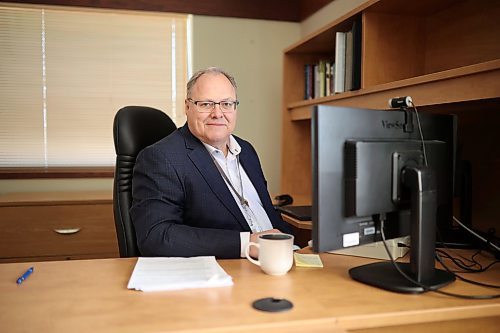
x: 25, y: 275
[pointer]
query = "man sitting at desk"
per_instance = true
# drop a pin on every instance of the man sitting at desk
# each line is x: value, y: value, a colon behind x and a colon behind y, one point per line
x: 201, y: 190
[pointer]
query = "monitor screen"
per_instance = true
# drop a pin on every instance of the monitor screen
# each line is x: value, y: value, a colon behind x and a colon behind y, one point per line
x: 363, y: 165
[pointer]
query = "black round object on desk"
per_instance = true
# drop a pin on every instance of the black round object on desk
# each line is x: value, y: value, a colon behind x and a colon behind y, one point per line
x: 271, y: 304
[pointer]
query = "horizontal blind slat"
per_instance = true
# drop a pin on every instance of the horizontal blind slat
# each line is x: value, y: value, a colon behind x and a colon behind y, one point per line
x: 95, y: 63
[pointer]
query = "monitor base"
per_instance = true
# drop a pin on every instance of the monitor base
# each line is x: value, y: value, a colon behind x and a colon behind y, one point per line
x: 384, y: 275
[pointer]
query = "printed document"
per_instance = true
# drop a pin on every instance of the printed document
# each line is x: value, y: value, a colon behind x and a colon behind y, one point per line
x: 155, y: 274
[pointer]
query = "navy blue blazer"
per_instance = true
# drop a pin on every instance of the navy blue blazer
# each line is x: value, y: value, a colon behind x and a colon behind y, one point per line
x: 181, y: 205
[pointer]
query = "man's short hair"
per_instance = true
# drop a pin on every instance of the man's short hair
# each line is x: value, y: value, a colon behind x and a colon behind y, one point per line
x: 209, y: 70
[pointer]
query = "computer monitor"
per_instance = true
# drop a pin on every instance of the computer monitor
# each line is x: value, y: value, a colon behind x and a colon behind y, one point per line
x: 374, y: 166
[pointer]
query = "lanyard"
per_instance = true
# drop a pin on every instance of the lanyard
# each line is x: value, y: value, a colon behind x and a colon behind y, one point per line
x: 243, y: 201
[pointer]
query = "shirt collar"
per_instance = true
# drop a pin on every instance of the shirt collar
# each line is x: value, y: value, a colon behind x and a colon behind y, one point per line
x: 233, y: 147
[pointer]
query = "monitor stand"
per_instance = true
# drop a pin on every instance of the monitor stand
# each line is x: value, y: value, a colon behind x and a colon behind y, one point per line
x: 421, y: 269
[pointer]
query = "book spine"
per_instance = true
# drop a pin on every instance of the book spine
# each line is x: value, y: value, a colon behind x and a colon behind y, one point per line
x: 356, y: 67
x: 322, y: 78
x: 307, y: 81
x: 316, y: 81
x: 349, y: 58
x: 340, y: 41
x: 332, y: 78
x: 328, y: 77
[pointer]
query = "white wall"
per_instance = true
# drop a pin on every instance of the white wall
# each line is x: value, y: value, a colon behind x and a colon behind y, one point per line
x: 252, y: 51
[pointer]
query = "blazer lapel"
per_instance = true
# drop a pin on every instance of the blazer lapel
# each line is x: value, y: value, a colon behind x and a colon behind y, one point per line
x: 249, y: 163
x: 202, y: 161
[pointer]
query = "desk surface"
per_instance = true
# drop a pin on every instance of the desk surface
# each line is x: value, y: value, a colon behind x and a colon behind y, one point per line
x: 91, y: 296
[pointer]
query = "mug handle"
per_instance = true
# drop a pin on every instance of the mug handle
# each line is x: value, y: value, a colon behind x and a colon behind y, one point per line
x: 247, y: 253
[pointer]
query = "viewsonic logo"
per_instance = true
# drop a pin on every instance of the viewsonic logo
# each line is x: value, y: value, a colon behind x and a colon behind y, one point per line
x: 392, y: 125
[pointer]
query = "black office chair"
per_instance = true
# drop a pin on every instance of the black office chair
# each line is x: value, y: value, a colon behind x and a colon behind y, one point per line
x: 134, y: 128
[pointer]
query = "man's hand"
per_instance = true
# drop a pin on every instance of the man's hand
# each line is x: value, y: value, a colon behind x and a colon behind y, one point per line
x: 254, y: 251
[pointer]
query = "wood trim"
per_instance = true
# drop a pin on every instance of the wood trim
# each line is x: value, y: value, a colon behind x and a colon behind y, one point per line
x: 323, y: 39
x: 307, y: 225
x: 62, y: 257
x: 279, y: 10
x: 56, y: 172
x: 53, y: 198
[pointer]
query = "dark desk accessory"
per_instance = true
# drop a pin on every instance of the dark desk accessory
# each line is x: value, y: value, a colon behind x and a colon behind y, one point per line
x: 301, y: 213
x: 283, y: 200
x: 271, y: 304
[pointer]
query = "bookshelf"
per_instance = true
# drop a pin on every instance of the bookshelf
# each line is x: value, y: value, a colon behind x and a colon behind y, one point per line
x: 443, y: 53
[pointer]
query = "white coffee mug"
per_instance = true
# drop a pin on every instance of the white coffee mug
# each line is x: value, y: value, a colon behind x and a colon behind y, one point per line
x: 275, y: 253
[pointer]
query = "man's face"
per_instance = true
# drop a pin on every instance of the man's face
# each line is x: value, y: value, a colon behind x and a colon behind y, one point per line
x: 215, y: 127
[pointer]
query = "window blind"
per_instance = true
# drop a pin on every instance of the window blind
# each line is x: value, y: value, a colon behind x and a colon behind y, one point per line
x: 65, y: 73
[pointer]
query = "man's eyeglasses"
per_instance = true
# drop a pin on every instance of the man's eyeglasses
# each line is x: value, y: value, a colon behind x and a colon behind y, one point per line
x: 208, y: 106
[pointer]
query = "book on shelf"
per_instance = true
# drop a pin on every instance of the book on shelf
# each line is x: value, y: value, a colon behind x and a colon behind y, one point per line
x: 349, y: 59
x: 328, y: 76
x: 322, y: 77
x: 308, y: 81
x: 340, y: 45
x: 356, y: 52
x: 332, y: 78
x: 319, y: 79
x: 316, y: 81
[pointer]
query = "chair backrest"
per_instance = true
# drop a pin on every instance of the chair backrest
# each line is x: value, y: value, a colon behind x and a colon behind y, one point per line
x: 134, y: 128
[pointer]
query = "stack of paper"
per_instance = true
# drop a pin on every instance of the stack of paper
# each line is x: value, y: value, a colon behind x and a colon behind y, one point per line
x: 155, y: 274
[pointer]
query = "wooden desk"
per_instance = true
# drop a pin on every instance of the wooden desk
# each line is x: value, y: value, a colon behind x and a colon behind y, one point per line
x: 301, y: 229
x: 56, y: 226
x: 91, y: 296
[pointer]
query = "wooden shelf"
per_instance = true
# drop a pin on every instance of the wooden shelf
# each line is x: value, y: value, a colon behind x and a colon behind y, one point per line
x: 445, y: 54
x: 479, y: 81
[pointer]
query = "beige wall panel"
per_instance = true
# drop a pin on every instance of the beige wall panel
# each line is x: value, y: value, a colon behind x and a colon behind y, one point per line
x: 251, y: 50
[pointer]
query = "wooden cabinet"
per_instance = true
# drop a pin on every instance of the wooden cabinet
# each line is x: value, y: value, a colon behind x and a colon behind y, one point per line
x: 445, y: 54
x: 56, y: 226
